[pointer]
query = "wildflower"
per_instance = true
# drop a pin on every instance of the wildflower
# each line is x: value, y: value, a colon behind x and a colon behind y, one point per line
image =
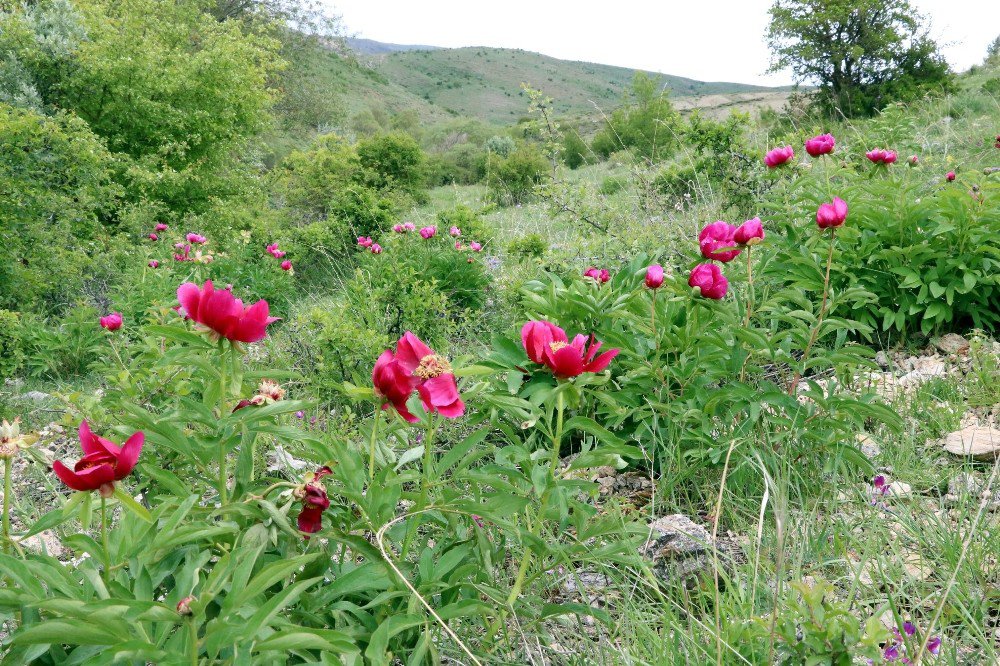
x: 300, y: 415
x: 154, y: 237
x: 476, y: 247
x: 710, y: 281
x: 478, y: 520
x: 881, y: 156
x: 365, y: 241
x: 547, y: 344
x: 273, y: 250
x: 779, y: 156
x: 831, y: 215
x: 409, y: 226
x: 160, y: 227
x: 820, y: 145
x: 750, y: 232
x: 913, y: 160
x: 223, y: 313
x: 934, y: 645
x: 598, y: 275
x: 103, y: 462
x: 891, y: 652
x: 375, y: 248
x: 393, y: 384
x: 458, y: 245
x: 112, y: 322
x: 717, y: 241
x: 908, y: 628
x: 286, y: 265
x: 184, y: 606
x: 436, y: 386
x: 398, y: 228
x: 196, y: 239
x: 268, y: 393
x: 314, y: 501
x: 654, y: 276
x: 428, y: 232
x: 455, y: 231
x: 950, y: 176
x: 153, y: 263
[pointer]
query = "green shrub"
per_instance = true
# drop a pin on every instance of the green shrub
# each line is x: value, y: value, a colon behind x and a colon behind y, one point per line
x: 473, y: 226
x: 646, y: 124
x: 530, y: 246
x: 501, y: 146
x: 11, y: 353
x: 461, y: 165
x: 65, y: 348
x: 574, y: 151
x: 613, y: 184
x: 513, y: 180
x: 393, y: 161
x: 991, y: 86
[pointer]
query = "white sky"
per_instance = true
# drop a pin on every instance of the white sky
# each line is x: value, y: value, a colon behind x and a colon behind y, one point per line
x: 709, y: 40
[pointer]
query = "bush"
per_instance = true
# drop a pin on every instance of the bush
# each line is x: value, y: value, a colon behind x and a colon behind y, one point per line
x: 501, y: 146
x: 530, y: 246
x: 393, y: 161
x: 645, y: 124
x: 513, y: 180
x: 613, y: 184
x: 11, y: 353
x: 473, y: 226
x: 461, y: 165
x: 65, y: 348
x: 574, y: 150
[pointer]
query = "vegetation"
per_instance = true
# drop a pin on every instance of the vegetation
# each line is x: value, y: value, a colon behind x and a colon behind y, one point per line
x: 291, y: 378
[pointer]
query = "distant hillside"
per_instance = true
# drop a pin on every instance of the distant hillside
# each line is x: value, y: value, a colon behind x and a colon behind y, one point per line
x: 486, y: 82
x: 369, y: 47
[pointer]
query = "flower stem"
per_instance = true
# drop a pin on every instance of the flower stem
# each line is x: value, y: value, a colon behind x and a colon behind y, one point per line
x: 822, y: 312
x: 556, y: 439
x: 652, y: 321
x: 193, y: 638
x: 371, y: 447
x: 6, y: 503
x: 746, y: 322
x: 104, y: 538
x: 223, y: 396
x: 424, y: 482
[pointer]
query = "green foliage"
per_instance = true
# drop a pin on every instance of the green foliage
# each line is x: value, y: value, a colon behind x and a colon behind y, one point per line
x: 512, y: 180
x: 613, y: 184
x: 393, y: 161
x: 575, y: 152
x: 530, y: 246
x: 863, y: 54
x: 11, y: 352
x: 645, y: 124
x: 472, y: 224
x: 463, y: 164
x: 500, y: 145
x: 62, y: 348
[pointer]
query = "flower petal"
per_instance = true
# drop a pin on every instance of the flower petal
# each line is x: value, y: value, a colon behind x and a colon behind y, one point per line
x: 89, y: 479
x: 129, y: 455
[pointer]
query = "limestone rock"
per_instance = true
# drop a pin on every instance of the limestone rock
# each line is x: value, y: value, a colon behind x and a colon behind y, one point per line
x: 952, y: 343
x: 679, y: 549
x: 979, y: 442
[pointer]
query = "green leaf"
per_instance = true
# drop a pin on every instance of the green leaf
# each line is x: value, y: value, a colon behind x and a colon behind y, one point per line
x: 129, y: 503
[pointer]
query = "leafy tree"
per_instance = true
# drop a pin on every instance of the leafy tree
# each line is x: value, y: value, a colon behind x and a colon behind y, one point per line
x: 993, y: 51
x: 862, y: 54
x: 645, y: 124
x: 574, y: 149
x: 393, y: 161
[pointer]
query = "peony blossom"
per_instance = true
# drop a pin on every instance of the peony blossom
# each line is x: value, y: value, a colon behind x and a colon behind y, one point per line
x: 455, y: 231
x: 365, y: 241
x: 160, y: 227
x: 831, y: 215
x: 717, y: 242
x: 547, y: 344
x: 415, y: 366
x: 153, y: 263
x: 881, y: 156
x: 820, y: 145
x: 779, y: 156
x: 749, y: 233
x: 112, y: 322
x: 314, y: 501
x: 428, y: 232
x: 459, y: 246
x: 950, y: 176
x: 393, y: 384
x: 273, y: 250
x: 409, y: 226
x: 475, y: 247
x: 598, y: 275
x: 913, y: 160
x: 223, y: 313
x: 708, y: 278
x: 154, y: 237
x: 196, y: 239
x: 654, y: 276
x: 103, y: 462
x: 286, y: 265
x: 399, y: 229
x: 375, y: 248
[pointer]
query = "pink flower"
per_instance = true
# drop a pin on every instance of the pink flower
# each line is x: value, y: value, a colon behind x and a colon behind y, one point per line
x: 537, y: 336
x: 458, y: 245
x: 223, y: 313
x: 598, y: 275
x: 112, y: 322
x: 398, y: 228
x: 455, y: 231
x: 820, y: 145
x: 830, y: 215
x: 654, y: 276
x: 102, y: 464
x: 934, y: 645
x: 409, y: 226
x: 196, y: 239
x: 376, y: 248
x: 365, y: 241
x: 913, y: 160
x: 428, y: 232
x: 778, y: 156
x: 153, y: 263
x: 750, y: 232
x: 717, y: 242
x: 436, y: 382
x: 393, y: 384
x: 950, y: 176
x: 160, y: 227
x: 881, y: 156
x: 708, y: 278
x: 475, y: 247
x: 548, y: 344
x: 154, y: 237
x: 286, y: 265
x: 273, y: 250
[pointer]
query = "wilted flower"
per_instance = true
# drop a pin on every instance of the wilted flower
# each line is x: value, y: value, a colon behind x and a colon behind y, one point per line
x: 778, y: 156
x: 375, y: 248
x: 950, y: 176
x: 153, y: 263
x: 708, y: 278
x: 223, y: 313
x: 112, y: 322
x: 717, y: 241
x: 103, y: 462
x: 549, y: 345
x: 750, y: 232
x: 286, y: 265
x: 196, y: 239
x: 654, y: 276
x: 11, y: 439
x: 820, y: 145
x: 184, y: 606
x: 881, y: 156
x: 598, y: 275
x: 455, y: 231
x: 269, y: 392
x: 428, y: 232
x: 160, y: 227
x: 314, y: 501
x: 475, y: 247
x: 831, y: 215
x: 365, y: 241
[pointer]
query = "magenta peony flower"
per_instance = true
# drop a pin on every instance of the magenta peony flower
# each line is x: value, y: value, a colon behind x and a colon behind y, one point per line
x: 154, y: 237
x: 314, y: 501
x: 286, y: 265
x: 103, y: 462
x: 428, y: 232
x: 547, y: 344
x: 112, y: 322
x: 717, y: 242
x: 153, y: 263
x: 708, y: 278
x: 831, y: 215
x: 749, y: 233
x: 913, y: 160
x: 950, y: 176
x: 654, y: 276
x: 160, y: 227
x: 223, y: 313
x: 455, y: 231
x: 820, y: 145
x: 398, y: 228
x: 779, y: 156
x: 196, y: 239
x: 409, y: 226
x: 273, y: 250
x: 475, y: 247
x: 393, y: 384
x: 598, y: 275
x: 375, y: 248
x: 365, y: 241
x: 881, y: 156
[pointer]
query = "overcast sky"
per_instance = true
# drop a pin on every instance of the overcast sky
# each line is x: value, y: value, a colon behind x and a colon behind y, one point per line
x: 709, y: 40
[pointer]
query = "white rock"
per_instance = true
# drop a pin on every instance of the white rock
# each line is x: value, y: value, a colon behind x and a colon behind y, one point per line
x: 900, y: 489
x: 979, y: 442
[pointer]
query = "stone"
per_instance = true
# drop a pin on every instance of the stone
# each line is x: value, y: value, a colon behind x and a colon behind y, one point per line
x: 35, y: 396
x: 899, y: 489
x: 966, y: 487
x: 869, y: 447
x: 924, y: 369
x: 979, y: 442
x: 45, y: 542
x: 679, y: 549
x: 952, y: 343
x: 882, y: 359
x: 280, y: 459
